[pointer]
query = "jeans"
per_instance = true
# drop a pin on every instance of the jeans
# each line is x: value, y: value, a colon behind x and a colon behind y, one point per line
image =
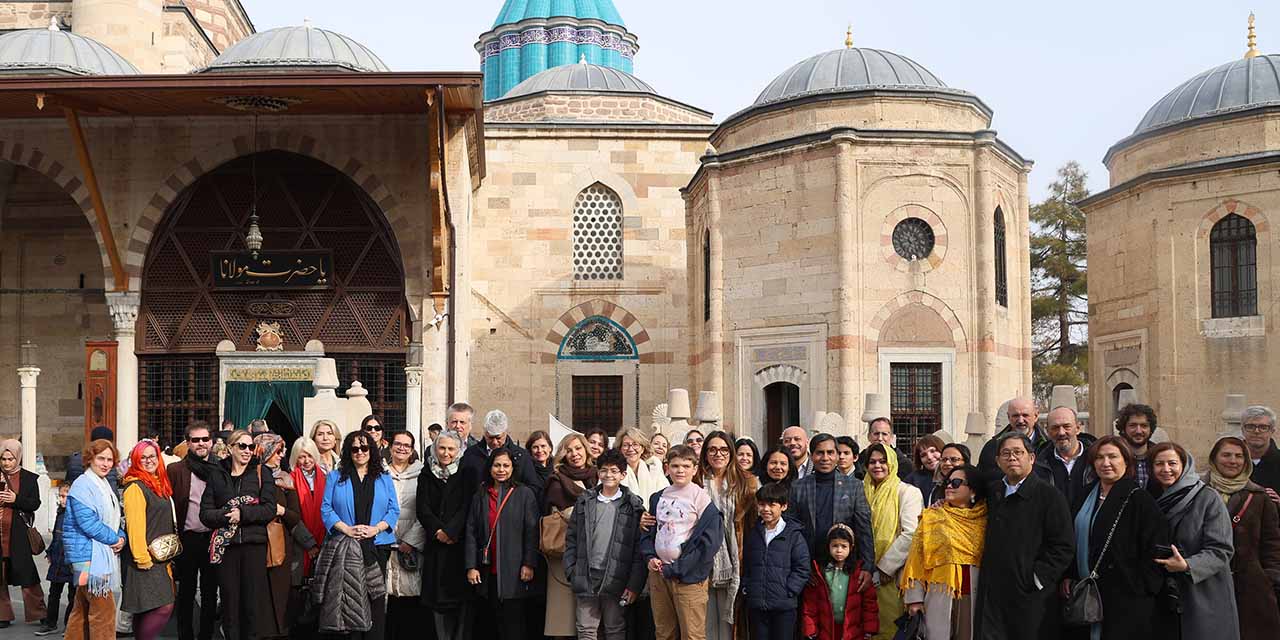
x: 773, y: 625
x: 192, y: 570
x: 592, y: 610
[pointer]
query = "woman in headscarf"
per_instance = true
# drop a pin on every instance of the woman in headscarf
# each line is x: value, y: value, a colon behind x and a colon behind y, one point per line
x: 307, y: 481
x: 93, y: 536
x: 404, y: 580
x: 733, y: 491
x: 282, y: 547
x: 444, y: 496
x: 19, y: 500
x: 572, y: 476
x: 148, y: 514
x: 895, y: 512
x: 941, y: 574
x: 325, y: 435
x: 1200, y: 565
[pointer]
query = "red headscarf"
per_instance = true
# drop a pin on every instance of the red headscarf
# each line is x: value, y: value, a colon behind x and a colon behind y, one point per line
x: 158, y: 482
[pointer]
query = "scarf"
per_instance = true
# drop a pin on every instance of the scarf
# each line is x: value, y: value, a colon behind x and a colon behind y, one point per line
x: 202, y: 468
x: 267, y: 445
x: 309, y: 499
x: 1227, y: 487
x: 724, y: 568
x: 157, y: 482
x: 222, y: 536
x: 445, y: 471
x: 884, y: 505
x: 102, y: 575
x: 948, y: 539
x: 646, y: 479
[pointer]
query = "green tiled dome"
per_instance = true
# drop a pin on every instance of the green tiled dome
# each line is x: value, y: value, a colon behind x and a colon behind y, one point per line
x: 514, y: 11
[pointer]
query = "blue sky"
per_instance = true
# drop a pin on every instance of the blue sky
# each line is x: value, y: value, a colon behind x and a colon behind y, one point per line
x: 1066, y: 79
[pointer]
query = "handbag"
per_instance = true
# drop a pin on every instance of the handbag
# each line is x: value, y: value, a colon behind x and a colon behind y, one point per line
x: 910, y: 627
x: 551, y: 532
x: 484, y: 553
x: 34, y: 539
x: 166, y: 547
x: 275, y: 543
x: 1084, y: 605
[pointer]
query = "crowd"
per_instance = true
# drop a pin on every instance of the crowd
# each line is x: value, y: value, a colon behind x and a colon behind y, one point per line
x: 1048, y: 533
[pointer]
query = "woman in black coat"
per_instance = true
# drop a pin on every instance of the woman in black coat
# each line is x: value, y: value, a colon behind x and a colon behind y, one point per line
x: 1128, y: 576
x: 19, y: 500
x: 237, y: 504
x: 445, y: 491
x: 501, y: 549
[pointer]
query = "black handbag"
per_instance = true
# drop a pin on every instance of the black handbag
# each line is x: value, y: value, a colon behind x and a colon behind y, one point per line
x: 1084, y: 605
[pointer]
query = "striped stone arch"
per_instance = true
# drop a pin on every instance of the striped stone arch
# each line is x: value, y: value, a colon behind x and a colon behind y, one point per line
x: 283, y: 140
x: 940, y: 238
x: 71, y: 183
x: 1227, y: 207
x: 625, y: 319
x: 916, y: 297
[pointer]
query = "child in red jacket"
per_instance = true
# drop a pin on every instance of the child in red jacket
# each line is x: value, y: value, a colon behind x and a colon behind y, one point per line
x: 831, y: 600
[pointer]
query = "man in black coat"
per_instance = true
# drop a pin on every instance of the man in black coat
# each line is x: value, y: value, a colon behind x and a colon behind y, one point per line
x: 1061, y: 460
x: 476, y: 458
x: 1027, y: 550
x: 1259, y: 426
x: 1023, y: 418
x: 189, y: 478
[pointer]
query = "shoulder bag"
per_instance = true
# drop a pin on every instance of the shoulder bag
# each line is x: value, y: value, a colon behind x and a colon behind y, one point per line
x: 166, y: 547
x: 497, y: 519
x: 1084, y: 605
x: 275, y: 535
x: 36, y: 541
x: 551, y: 532
x: 1235, y: 520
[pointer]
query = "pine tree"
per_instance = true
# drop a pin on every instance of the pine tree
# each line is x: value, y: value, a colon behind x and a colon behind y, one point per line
x: 1059, y: 284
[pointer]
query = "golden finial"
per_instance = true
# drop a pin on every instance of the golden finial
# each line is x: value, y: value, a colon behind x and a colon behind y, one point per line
x: 1253, y: 40
x: 848, y: 37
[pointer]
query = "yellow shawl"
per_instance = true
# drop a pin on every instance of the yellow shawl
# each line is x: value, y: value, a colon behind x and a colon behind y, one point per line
x: 884, y: 505
x: 947, y: 539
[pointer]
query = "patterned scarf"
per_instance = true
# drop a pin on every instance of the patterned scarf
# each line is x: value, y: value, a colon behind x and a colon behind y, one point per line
x: 222, y: 536
x: 884, y: 504
x: 947, y: 539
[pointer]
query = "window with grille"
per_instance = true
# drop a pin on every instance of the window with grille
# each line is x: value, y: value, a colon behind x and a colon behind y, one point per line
x: 706, y: 277
x: 915, y: 400
x: 1002, y: 265
x: 1233, y: 263
x: 382, y: 375
x: 174, y: 392
x: 597, y: 234
x: 597, y: 402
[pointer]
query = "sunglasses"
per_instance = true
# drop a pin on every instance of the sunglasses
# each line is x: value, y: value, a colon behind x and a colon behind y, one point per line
x: 243, y: 446
x: 373, y: 427
x: 359, y: 449
x: 956, y: 483
x: 199, y: 440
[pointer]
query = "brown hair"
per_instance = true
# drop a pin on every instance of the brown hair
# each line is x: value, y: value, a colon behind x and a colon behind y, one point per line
x: 684, y: 452
x: 95, y: 447
x: 1158, y: 449
x: 1231, y: 440
x: 1130, y: 467
x: 924, y: 443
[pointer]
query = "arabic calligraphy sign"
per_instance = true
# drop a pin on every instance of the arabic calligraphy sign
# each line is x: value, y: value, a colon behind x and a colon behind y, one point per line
x: 272, y: 270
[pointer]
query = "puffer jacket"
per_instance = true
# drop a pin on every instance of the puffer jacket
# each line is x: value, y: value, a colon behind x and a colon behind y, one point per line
x: 624, y: 568
x: 774, y: 575
x: 344, y: 586
x: 81, y: 527
x: 222, y: 487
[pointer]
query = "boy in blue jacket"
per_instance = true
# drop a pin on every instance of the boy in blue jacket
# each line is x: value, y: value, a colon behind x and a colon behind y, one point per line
x: 775, y: 567
x: 680, y: 549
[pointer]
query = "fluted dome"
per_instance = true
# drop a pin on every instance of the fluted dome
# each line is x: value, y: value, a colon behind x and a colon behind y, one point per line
x: 514, y: 11
x: 297, y: 48
x: 580, y: 77
x: 1235, y: 86
x: 56, y: 52
x: 849, y: 70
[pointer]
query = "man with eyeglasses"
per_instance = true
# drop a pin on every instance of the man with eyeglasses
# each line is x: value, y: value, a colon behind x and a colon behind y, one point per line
x: 1027, y: 549
x: 1061, y: 460
x: 189, y: 478
x: 496, y: 426
x: 1259, y: 426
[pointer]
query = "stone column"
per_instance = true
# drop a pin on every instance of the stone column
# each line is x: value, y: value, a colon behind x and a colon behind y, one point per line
x: 715, y: 333
x: 27, y: 381
x: 413, y: 404
x: 847, y: 342
x: 123, y: 306
x: 435, y: 360
x: 984, y: 342
x: 1024, y: 273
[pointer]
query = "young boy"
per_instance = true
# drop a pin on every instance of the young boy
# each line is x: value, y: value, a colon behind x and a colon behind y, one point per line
x: 59, y: 574
x: 601, y: 559
x: 775, y: 567
x: 680, y: 550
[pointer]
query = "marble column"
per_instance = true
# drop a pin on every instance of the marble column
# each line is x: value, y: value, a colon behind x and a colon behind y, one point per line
x: 435, y: 360
x: 847, y: 342
x: 123, y: 306
x: 715, y: 332
x: 984, y: 340
x: 413, y: 404
x: 27, y: 381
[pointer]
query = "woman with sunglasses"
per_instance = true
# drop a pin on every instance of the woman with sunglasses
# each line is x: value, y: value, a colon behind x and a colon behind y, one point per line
x: 693, y: 439
x: 237, y: 504
x: 372, y: 425
x: 283, y: 561
x: 941, y: 574
x: 360, y: 503
x: 502, y: 548
x: 733, y: 491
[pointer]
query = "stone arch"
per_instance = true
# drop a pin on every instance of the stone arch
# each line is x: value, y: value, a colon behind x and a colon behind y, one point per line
x: 913, y: 210
x: 605, y: 309
x: 908, y: 298
x: 1228, y: 207
x: 949, y: 181
x: 229, y: 149
x: 70, y: 182
x: 780, y: 373
x: 587, y: 176
x: 916, y: 325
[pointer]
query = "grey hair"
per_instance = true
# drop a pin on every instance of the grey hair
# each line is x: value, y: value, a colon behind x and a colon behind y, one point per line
x: 446, y: 435
x: 1258, y: 411
x: 496, y: 420
x: 301, y: 446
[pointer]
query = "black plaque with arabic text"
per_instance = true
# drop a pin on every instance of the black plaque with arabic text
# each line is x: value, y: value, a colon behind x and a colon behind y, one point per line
x: 300, y: 269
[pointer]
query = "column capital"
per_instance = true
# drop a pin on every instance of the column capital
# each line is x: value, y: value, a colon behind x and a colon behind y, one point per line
x: 27, y: 377
x: 413, y: 377
x: 123, y: 306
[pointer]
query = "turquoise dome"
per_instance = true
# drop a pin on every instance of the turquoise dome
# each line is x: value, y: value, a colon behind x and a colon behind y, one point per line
x: 531, y: 36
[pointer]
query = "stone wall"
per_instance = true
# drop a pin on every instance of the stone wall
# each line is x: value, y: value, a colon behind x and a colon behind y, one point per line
x: 185, y: 48
x: 1176, y: 146
x: 32, y: 15
x: 225, y: 21
x: 577, y: 106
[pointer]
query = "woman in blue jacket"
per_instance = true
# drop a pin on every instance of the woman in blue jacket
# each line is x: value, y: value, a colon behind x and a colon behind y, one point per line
x: 360, y: 502
x: 93, y: 535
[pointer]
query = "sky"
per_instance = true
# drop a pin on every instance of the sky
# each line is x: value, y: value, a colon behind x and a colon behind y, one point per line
x: 1066, y: 79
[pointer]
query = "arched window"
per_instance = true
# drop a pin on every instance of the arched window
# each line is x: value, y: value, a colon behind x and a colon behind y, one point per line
x: 597, y: 234
x: 706, y: 276
x: 1233, y: 260
x: 1002, y: 263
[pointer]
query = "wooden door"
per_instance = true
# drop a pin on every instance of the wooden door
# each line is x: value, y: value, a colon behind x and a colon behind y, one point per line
x: 99, y: 386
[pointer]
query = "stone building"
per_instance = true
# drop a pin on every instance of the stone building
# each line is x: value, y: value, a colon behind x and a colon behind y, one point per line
x: 1182, y: 269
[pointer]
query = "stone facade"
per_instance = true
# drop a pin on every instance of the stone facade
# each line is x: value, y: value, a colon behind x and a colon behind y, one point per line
x: 579, y: 107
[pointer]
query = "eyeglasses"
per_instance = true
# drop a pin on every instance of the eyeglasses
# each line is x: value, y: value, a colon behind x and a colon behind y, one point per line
x: 632, y: 446
x: 151, y: 456
x: 1013, y: 454
x: 717, y: 451
x: 359, y: 449
x: 953, y: 460
x: 1256, y: 428
x: 199, y: 440
x: 402, y: 445
x: 956, y: 483
x: 373, y: 427
x: 693, y: 441
x: 243, y: 446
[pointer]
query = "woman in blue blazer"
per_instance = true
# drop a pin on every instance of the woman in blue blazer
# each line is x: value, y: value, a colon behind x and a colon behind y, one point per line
x: 360, y: 502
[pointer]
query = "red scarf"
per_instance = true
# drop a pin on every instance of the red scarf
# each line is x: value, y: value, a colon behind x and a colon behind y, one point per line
x: 158, y: 482
x: 309, y: 502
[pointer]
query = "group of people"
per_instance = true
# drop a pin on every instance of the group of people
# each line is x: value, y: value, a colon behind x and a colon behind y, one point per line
x: 359, y: 536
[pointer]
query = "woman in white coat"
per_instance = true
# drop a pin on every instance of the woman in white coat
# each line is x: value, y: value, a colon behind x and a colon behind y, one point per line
x: 895, y: 513
x: 404, y: 582
x: 644, y: 470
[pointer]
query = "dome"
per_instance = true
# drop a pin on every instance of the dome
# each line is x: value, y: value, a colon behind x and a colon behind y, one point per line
x: 580, y: 77
x: 849, y: 70
x: 57, y: 52
x: 514, y: 11
x: 296, y: 48
x: 1234, y: 86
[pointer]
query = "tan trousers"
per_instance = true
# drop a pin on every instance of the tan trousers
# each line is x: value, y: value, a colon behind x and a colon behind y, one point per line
x: 92, y: 617
x: 679, y: 610
x: 32, y: 603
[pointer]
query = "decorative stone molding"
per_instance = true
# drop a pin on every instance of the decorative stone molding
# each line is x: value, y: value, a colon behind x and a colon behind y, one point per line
x: 623, y: 318
x: 1227, y: 207
x: 940, y: 238
x: 780, y: 373
x: 916, y: 297
x: 123, y: 307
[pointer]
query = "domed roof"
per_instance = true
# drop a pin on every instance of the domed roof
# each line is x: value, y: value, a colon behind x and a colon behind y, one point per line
x: 514, y: 11
x: 1234, y: 86
x: 293, y: 48
x: 849, y: 69
x: 580, y: 77
x: 55, y: 52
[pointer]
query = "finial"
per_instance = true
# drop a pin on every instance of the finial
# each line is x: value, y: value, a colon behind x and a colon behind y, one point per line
x: 848, y: 37
x: 53, y: 24
x: 1253, y: 40
x: 306, y: 22
x: 583, y: 59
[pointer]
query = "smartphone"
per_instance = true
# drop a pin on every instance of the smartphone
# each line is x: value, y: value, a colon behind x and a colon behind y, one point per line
x: 1164, y: 552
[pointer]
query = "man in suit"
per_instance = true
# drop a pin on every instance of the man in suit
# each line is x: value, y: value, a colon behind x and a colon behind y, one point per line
x: 188, y: 478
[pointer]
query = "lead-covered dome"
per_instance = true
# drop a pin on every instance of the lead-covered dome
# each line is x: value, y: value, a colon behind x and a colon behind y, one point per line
x: 53, y: 52
x: 297, y: 48
x: 849, y: 69
x: 580, y: 77
x: 1238, y: 85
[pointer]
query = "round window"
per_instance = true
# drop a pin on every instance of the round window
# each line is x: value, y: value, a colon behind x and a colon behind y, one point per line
x: 913, y: 239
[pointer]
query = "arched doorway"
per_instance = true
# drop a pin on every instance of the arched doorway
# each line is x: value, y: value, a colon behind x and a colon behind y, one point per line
x: 781, y: 409
x: 304, y: 205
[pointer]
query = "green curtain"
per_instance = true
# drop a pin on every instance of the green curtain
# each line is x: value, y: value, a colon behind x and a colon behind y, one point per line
x: 288, y: 396
x: 247, y: 401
